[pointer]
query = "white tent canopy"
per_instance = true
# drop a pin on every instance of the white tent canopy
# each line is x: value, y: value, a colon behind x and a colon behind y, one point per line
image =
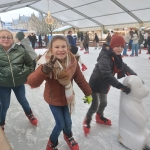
x: 89, y: 13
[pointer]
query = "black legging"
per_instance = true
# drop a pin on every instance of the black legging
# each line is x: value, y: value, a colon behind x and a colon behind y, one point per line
x: 33, y: 45
x: 98, y: 105
x: 86, y: 46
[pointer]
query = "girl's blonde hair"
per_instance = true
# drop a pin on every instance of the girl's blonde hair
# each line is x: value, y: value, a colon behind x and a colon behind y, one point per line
x: 58, y: 37
x: 4, y: 30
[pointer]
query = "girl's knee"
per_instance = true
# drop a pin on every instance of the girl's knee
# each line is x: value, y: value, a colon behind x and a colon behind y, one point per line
x: 60, y: 126
x: 104, y: 104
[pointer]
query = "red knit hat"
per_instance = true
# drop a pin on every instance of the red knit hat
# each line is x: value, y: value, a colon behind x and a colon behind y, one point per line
x: 116, y: 41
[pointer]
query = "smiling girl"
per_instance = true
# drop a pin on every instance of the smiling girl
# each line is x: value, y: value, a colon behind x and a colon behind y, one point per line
x: 15, y: 66
x: 60, y: 69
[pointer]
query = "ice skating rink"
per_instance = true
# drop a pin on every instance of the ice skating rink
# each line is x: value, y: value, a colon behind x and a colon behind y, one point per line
x: 23, y: 136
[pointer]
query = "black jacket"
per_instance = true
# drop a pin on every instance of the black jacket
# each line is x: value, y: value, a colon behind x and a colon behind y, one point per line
x: 102, y: 76
x: 96, y: 39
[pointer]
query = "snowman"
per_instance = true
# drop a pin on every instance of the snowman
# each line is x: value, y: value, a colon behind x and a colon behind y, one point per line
x: 133, y: 117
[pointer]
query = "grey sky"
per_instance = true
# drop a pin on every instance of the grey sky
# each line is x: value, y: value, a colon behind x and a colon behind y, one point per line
x: 7, y: 16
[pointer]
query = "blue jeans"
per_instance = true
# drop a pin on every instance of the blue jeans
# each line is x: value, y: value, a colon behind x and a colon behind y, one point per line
x: 63, y: 122
x: 135, y: 48
x: 125, y: 50
x: 5, y: 93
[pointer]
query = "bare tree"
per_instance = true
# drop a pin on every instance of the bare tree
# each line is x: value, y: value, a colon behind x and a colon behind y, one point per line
x: 34, y: 23
x: 53, y: 26
x: 39, y: 25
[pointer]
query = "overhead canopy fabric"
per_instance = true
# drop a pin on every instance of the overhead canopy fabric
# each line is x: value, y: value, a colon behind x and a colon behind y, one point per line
x: 88, y: 13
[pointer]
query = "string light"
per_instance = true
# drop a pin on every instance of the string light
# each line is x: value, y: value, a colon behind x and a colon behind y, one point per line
x: 49, y: 20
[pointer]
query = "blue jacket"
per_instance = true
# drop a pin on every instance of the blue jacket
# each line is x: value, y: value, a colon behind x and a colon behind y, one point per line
x: 71, y: 40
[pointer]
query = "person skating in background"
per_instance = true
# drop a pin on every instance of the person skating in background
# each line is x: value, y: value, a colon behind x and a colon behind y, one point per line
x: 15, y: 65
x: 75, y: 39
x: 148, y: 43
x: 33, y: 40
x: 70, y: 38
x: 21, y: 40
x: 60, y: 69
x: 145, y: 39
x: 127, y: 38
x: 130, y: 41
x: 112, y: 33
x: 135, y: 45
x: 29, y: 37
x: 74, y: 49
x: 46, y: 40
x: 86, y: 43
x: 40, y: 40
x: 109, y: 63
x: 108, y: 38
x: 96, y: 40
x: 81, y: 41
x: 141, y: 40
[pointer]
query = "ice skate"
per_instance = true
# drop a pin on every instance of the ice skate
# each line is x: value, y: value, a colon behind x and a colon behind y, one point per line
x: 73, y: 145
x: 83, y: 67
x: 32, y: 119
x: 102, y: 120
x: 51, y: 146
x: 86, y: 52
x: 86, y: 126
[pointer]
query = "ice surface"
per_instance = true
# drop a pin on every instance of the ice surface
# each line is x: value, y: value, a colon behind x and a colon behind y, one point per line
x: 23, y: 136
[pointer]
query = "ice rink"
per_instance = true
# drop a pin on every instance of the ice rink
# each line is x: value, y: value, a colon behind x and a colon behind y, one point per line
x: 23, y: 136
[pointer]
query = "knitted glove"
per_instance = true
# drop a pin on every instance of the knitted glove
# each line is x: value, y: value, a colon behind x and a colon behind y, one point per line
x: 48, y: 67
x: 88, y: 99
x: 124, y: 88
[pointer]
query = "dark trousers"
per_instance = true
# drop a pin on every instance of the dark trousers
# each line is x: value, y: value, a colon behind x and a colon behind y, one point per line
x: 86, y: 46
x: 34, y: 61
x: 33, y: 45
x: 40, y: 43
x: 145, y: 43
x: 149, y: 49
x: 98, y: 105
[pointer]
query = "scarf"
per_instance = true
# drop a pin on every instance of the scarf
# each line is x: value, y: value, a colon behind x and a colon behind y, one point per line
x: 118, y: 64
x: 63, y: 72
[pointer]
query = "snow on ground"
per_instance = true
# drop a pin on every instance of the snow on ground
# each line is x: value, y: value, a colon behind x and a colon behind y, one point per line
x: 23, y: 136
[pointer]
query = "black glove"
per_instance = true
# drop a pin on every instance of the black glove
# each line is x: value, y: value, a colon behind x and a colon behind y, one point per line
x: 48, y: 67
x: 124, y: 88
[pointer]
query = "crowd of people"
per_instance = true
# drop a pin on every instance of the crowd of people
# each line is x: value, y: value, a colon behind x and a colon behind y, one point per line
x: 59, y: 68
x: 37, y: 41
